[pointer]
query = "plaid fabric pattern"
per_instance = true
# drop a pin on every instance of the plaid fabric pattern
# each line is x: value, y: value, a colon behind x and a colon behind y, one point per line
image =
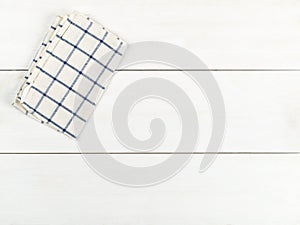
x: 71, y: 69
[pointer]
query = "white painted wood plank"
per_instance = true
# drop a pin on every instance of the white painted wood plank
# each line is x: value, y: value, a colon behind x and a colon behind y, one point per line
x: 235, y: 34
x: 262, y: 114
x: 241, y: 190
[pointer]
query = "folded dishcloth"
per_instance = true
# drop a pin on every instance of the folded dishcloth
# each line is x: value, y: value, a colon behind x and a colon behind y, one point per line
x: 71, y: 68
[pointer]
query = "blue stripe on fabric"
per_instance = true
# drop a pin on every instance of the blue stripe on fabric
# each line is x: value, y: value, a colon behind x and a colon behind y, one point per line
x: 49, y: 121
x: 61, y: 68
x: 94, y: 36
x: 81, y: 104
x: 62, y: 83
x: 84, y: 52
x: 58, y: 103
x: 73, y: 68
x: 77, y: 77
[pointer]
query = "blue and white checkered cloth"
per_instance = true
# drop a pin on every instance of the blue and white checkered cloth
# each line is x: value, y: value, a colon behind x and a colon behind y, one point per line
x: 69, y: 72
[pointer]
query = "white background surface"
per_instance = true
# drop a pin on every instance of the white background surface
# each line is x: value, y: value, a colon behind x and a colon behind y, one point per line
x: 251, y: 185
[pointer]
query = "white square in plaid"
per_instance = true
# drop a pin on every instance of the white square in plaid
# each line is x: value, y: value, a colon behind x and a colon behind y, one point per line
x: 105, y: 78
x: 47, y: 107
x: 95, y: 93
x: 42, y: 82
x: 70, y: 78
x: 85, y: 109
x: 52, y: 67
x: 73, y: 34
x: 72, y: 101
x: 89, y: 43
x: 77, y: 60
x: 74, y: 63
x: 93, y: 71
x: 61, y: 117
x: 105, y: 52
x: 77, y: 124
x: 62, y: 50
x: 57, y: 91
x: 84, y: 87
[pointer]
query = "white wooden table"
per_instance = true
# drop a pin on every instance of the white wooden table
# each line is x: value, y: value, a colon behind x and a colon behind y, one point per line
x: 253, y: 48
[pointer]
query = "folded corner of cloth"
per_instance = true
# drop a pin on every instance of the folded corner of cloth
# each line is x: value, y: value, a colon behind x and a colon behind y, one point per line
x: 69, y: 72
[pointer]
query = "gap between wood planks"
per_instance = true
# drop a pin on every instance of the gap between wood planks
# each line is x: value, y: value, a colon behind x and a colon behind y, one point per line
x: 149, y: 153
x: 221, y: 70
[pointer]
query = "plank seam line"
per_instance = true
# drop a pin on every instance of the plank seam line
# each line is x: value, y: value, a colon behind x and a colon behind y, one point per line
x: 171, y: 70
x: 149, y: 153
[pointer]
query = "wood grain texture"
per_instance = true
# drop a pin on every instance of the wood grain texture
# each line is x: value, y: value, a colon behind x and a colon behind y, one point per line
x: 256, y: 46
x: 262, y: 114
x: 263, y: 190
x: 235, y: 34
